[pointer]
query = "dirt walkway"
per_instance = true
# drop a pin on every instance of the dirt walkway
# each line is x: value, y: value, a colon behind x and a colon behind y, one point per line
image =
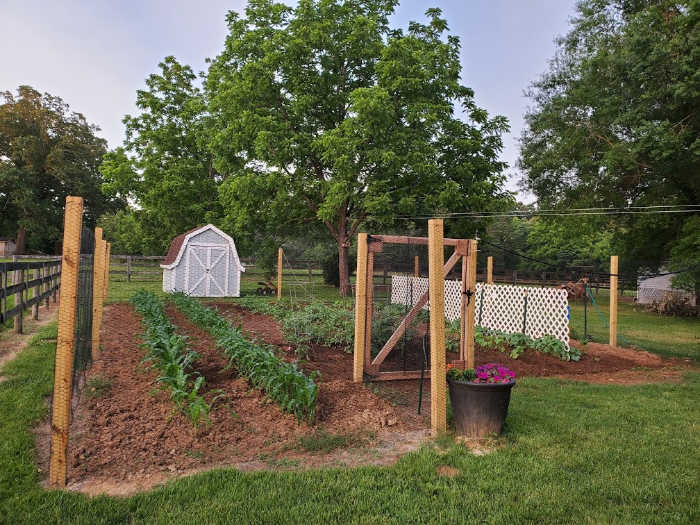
x: 11, y: 343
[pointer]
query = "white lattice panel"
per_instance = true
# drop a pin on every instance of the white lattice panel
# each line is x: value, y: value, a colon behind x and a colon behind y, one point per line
x: 497, y: 306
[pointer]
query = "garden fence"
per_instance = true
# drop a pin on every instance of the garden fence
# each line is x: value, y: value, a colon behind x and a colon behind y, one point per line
x: 25, y: 284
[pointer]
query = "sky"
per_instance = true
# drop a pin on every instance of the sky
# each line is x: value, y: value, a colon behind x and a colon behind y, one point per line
x: 95, y: 54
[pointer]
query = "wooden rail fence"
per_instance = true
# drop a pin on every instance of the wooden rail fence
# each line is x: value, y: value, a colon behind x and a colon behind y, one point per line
x: 30, y: 283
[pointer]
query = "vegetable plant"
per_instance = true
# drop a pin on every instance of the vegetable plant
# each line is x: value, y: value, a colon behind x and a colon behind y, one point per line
x: 283, y: 382
x: 169, y: 353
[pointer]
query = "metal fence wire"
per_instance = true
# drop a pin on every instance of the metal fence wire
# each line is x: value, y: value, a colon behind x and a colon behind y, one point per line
x: 83, y: 315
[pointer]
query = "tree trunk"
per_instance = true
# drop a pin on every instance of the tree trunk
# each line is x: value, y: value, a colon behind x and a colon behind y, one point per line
x: 343, y: 270
x: 20, y: 241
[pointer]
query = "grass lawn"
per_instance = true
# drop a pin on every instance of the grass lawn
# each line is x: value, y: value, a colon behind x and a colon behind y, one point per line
x: 661, y: 334
x: 572, y: 453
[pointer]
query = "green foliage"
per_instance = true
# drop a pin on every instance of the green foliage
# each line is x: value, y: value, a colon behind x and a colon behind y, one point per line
x: 47, y: 152
x: 515, y: 344
x: 457, y: 374
x: 169, y: 353
x: 165, y: 164
x: 332, y: 325
x: 322, y: 441
x: 324, y: 115
x: 283, y: 382
x: 685, y: 255
x: 614, y: 121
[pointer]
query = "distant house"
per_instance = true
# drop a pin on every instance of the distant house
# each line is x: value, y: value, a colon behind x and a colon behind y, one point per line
x: 203, y: 262
x: 656, y: 289
x: 7, y: 247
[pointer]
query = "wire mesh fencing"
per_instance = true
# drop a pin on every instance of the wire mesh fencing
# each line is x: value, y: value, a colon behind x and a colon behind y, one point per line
x: 82, y: 349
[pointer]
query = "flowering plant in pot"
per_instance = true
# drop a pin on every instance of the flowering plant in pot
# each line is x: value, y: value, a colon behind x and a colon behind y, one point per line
x: 480, y: 398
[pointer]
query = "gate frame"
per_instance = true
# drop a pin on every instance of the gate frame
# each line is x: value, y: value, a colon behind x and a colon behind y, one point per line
x: 464, y: 250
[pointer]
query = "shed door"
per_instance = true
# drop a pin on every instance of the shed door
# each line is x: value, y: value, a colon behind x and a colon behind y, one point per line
x: 207, y: 270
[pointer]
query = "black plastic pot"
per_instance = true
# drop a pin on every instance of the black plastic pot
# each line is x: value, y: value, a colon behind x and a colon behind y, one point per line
x: 479, y: 409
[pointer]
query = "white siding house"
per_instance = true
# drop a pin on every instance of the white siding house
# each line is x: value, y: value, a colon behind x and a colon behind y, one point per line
x: 203, y: 262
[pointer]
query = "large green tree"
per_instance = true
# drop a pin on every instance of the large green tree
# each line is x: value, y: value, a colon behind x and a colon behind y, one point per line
x: 615, y: 121
x: 325, y: 115
x: 165, y: 166
x: 46, y: 153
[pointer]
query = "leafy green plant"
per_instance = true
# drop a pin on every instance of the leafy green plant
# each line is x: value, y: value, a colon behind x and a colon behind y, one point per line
x: 169, y: 353
x: 515, y: 344
x: 283, y: 382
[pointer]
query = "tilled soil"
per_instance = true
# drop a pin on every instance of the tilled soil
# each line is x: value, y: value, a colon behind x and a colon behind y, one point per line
x: 131, y: 438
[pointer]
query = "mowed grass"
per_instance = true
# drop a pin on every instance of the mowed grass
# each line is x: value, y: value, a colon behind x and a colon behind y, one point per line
x: 662, y: 334
x: 572, y: 453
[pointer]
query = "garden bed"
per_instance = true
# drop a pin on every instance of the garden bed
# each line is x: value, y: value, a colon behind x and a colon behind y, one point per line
x: 125, y: 435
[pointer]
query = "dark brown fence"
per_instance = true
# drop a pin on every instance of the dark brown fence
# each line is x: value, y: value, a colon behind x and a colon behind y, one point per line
x: 25, y: 284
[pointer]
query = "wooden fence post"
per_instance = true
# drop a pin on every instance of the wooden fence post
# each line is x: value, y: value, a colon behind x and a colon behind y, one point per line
x: 37, y: 294
x: 613, y: 300
x: 438, y: 381
x: 279, y: 272
x: 63, y: 370
x: 106, y: 277
x: 360, y: 308
x: 489, y: 270
x: 416, y: 266
x: 98, y: 274
x: 471, y: 309
x: 128, y: 268
x: 19, y: 300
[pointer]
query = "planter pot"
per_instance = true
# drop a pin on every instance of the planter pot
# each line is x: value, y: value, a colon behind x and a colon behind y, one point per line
x: 479, y: 409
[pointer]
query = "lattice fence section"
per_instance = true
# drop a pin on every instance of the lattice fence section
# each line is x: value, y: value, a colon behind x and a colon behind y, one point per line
x: 499, y: 307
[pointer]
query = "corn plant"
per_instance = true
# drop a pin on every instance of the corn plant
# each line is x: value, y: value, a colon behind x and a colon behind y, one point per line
x: 169, y: 353
x: 281, y: 381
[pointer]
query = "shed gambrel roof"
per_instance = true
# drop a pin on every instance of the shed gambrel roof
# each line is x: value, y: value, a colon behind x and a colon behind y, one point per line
x: 179, y: 243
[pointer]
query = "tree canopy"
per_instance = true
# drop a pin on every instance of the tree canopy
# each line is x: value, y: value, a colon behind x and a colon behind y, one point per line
x: 615, y: 121
x: 325, y: 115
x: 47, y: 152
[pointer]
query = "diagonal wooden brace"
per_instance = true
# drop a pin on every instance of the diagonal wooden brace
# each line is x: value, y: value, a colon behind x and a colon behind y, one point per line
x: 410, y: 316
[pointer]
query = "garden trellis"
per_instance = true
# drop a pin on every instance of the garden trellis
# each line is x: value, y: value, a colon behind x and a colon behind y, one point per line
x: 534, y: 311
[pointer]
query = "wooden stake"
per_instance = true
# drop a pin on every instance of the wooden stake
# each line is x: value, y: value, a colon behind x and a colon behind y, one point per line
x: 106, y: 277
x: 416, y: 266
x: 279, y: 273
x: 370, y: 309
x: 613, y: 300
x: 438, y: 382
x: 360, y: 308
x: 37, y: 293
x: 98, y: 275
x: 463, y: 312
x: 489, y: 270
x: 63, y: 370
x: 471, y: 310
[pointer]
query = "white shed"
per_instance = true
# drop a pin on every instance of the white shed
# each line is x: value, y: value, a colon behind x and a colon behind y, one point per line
x: 203, y: 262
x: 658, y: 288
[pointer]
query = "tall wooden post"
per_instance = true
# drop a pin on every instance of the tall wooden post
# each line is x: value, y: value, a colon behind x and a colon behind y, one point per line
x: 416, y: 266
x: 98, y: 275
x: 369, y: 308
x: 279, y: 273
x: 471, y: 311
x: 128, y: 268
x: 106, y: 277
x: 613, y: 300
x: 438, y: 381
x: 489, y: 270
x: 360, y: 308
x: 63, y: 370
x: 463, y: 312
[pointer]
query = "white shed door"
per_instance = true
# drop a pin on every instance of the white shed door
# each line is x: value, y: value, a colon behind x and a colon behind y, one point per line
x: 207, y: 270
